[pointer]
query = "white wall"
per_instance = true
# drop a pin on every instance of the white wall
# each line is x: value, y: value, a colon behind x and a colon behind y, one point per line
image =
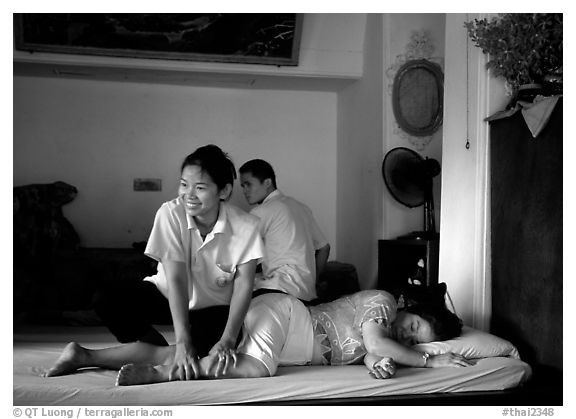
x: 359, y: 181
x: 99, y: 136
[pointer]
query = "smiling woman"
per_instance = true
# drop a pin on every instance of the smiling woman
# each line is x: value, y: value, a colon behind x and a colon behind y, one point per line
x: 206, y: 251
x: 417, y: 97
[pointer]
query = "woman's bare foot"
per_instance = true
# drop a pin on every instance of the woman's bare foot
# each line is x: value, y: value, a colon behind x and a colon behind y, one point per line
x: 73, y: 357
x: 134, y: 374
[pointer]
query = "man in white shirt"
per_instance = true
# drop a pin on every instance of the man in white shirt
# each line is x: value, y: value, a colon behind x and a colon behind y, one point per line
x: 296, y: 251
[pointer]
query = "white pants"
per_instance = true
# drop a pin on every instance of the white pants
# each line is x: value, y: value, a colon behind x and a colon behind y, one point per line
x: 277, y: 331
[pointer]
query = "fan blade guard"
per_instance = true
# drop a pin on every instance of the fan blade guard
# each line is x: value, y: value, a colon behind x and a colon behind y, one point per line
x: 402, y: 170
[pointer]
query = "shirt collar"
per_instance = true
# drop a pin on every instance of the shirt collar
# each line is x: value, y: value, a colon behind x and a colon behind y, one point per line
x: 221, y: 225
x: 273, y: 195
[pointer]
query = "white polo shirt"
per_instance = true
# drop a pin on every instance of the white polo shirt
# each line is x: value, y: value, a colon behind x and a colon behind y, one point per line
x: 211, y: 263
x: 291, y: 238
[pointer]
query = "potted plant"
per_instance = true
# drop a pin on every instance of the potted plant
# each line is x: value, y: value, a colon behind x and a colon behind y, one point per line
x: 524, y: 48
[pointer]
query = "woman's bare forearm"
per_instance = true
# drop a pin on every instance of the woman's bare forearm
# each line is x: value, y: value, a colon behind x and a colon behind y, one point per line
x: 178, y: 299
x: 241, y: 298
x: 380, y: 345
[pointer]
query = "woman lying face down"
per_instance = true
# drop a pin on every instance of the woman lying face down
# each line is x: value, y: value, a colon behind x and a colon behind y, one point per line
x: 279, y: 330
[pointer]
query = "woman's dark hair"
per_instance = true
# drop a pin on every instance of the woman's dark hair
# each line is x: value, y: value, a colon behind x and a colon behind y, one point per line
x: 260, y: 169
x: 212, y: 160
x: 445, y: 324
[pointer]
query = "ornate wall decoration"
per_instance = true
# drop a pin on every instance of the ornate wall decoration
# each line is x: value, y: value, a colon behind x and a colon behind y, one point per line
x: 419, y: 47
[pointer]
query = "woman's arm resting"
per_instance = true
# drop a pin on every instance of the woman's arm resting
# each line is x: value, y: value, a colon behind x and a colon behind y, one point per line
x: 185, y: 365
x: 378, y: 344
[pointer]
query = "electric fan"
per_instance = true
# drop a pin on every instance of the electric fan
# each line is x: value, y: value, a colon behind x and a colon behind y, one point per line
x: 409, y: 177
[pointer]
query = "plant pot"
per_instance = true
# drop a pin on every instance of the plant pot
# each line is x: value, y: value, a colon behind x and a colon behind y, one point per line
x: 553, y: 83
x: 526, y: 93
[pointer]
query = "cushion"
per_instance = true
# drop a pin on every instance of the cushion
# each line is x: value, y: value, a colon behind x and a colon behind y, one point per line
x: 40, y: 228
x: 336, y: 280
x: 472, y: 343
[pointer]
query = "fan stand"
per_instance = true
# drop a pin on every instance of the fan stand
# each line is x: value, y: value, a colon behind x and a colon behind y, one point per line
x: 429, y: 218
x: 429, y: 232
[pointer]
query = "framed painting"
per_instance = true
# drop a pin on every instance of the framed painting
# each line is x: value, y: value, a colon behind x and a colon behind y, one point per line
x: 254, y: 38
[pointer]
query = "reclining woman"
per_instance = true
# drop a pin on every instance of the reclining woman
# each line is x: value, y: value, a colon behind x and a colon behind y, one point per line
x: 280, y: 331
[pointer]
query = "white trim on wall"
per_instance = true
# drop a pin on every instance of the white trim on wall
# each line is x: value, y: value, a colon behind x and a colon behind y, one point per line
x: 490, y: 97
x: 465, y: 259
x: 478, y: 82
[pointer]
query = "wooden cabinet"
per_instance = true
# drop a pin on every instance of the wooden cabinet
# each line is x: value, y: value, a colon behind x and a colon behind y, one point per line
x: 526, y: 235
x: 398, y: 260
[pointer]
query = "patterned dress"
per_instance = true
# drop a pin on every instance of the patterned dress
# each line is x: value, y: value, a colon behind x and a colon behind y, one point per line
x: 337, y: 325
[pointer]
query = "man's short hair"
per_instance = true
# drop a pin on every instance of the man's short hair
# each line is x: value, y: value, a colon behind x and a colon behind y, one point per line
x: 260, y: 169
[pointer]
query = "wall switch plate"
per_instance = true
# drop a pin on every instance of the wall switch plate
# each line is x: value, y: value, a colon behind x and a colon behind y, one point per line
x: 147, y: 184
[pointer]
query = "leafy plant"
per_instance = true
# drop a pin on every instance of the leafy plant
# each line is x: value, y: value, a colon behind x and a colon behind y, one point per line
x: 522, y: 47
